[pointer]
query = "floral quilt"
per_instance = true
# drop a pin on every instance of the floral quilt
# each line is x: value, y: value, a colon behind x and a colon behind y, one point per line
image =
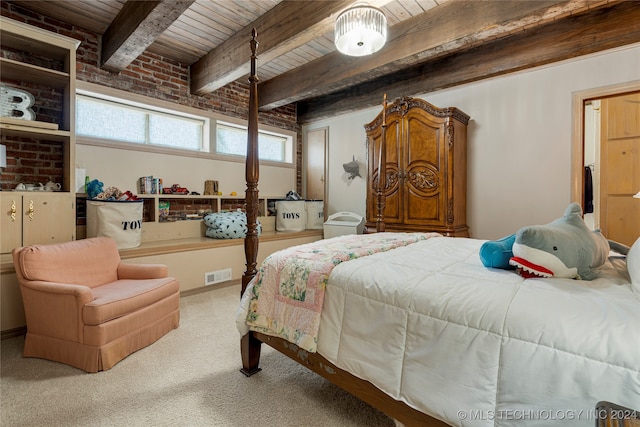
x: 288, y: 291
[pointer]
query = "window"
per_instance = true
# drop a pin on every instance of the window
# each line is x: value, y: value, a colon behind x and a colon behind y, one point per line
x: 111, y: 120
x: 232, y: 139
x: 130, y: 121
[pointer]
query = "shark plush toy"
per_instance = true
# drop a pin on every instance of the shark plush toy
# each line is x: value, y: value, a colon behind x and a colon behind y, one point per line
x: 564, y: 248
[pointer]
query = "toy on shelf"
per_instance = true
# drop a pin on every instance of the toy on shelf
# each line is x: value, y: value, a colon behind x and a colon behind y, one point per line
x: 176, y: 189
x: 96, y: 191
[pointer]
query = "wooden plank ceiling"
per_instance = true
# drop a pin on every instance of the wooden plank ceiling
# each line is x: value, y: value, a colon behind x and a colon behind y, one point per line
x: 432, y: 44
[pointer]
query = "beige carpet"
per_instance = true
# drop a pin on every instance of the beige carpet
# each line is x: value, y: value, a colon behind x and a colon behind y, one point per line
x: 190, y: 377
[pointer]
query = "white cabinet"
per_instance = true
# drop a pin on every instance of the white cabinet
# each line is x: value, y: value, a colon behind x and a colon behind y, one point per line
x: 34, y: 218
x: 27, y: 218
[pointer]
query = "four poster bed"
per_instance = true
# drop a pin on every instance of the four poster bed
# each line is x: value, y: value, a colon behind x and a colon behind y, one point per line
x: 416, y: 326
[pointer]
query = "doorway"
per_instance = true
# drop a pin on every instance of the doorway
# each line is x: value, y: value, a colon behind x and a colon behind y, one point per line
x: 316, y: 165
x: 606, y: 159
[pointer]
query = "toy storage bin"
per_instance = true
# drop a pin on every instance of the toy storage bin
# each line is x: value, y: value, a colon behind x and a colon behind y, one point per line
x: 291, y: 215
x: 120, y: 220
x: 315, y: 214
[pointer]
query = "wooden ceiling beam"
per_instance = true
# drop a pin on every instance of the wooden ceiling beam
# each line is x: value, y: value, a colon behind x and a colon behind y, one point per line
x: 288, y: 25
x: 572, y: 36
x: 441, y: 30
x: 135, y: 28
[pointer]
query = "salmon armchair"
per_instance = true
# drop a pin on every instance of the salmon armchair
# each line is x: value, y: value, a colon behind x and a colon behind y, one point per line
x: 86, y: 308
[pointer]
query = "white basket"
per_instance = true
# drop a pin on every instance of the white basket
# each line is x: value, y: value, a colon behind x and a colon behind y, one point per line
x: 342, y: 223
x: 291, y: 215
x: 122, y: 221
x: 315, y: 214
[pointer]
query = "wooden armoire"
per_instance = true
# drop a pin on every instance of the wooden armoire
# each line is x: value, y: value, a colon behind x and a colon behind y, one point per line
x: 426, y: 168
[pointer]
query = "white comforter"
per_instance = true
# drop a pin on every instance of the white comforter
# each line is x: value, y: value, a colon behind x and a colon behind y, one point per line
x: 472, y: 346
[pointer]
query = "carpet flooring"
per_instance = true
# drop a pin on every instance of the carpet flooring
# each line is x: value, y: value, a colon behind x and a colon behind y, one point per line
x: 190, y: 377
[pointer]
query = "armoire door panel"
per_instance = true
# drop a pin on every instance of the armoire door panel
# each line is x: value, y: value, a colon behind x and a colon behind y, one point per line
x: 392, y: 214
x: 423, y: 210
x: 393, y: 192
x: 423, y: 143
x: 423, y: 178
x: 392, y: 152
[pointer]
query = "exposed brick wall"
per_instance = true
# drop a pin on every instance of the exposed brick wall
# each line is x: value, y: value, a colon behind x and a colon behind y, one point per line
x: 32, y: 161
x: 154, y: 76
x: 178, y: 208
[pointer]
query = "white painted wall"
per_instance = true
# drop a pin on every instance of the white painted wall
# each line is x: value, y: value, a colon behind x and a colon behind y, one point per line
x: 519, y: 141
x: 121, y: 168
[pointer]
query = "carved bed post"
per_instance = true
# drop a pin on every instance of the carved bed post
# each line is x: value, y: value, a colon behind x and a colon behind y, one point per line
x: 381, y: 184
x: 249, y: 345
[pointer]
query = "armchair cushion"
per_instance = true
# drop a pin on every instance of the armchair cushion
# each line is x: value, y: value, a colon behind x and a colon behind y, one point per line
x: 88, y: 262
x: 126, y: 296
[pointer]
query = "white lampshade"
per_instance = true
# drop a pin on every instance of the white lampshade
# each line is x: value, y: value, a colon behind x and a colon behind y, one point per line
x: 360, y: 30
x: 3, y: 156
x: 637, y: 195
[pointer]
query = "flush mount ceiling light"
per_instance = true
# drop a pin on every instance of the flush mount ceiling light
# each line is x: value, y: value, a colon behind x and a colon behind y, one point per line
x: 360, y: 30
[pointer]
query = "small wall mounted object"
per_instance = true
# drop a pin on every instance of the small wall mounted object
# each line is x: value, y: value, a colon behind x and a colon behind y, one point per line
x: 352, y: 168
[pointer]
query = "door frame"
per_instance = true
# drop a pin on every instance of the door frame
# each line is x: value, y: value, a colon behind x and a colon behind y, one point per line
x: 577, y: 135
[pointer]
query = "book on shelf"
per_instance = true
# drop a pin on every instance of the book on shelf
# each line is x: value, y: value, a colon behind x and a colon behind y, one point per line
x: 149, y: 185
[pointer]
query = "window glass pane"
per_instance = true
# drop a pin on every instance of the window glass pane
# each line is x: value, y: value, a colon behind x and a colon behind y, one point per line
x: 271, y: 147
x: 110, y: 121
x: 231, y: 140
x: 175, y: 132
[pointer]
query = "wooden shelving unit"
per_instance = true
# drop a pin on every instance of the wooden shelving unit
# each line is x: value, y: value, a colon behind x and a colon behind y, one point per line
x: 36, y: 61
x: 32, y: 56
x: 56, y: 70
x: 184, y: 219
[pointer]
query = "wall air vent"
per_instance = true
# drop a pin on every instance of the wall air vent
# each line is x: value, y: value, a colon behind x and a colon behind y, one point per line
x: 217, y: 276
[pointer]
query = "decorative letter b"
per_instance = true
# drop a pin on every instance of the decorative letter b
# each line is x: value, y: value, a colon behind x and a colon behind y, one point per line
x: 16, y: 103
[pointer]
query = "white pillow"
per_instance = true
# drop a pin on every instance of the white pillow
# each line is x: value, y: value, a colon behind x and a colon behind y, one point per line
x: 633, y: 265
